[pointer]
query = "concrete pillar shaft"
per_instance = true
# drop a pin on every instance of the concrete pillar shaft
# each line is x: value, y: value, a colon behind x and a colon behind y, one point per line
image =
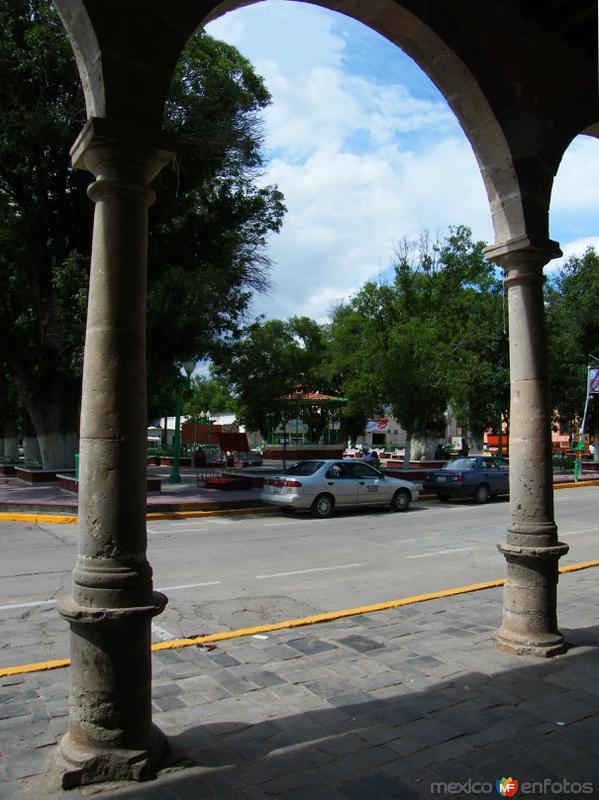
x: 532, y: 549
x: 111, y: 736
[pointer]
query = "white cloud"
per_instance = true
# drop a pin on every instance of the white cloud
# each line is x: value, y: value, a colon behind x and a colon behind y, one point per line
x: 347, y: 211
x: 293, y: 34
x: 325, y: 108
x: 362, y: 161
x: 575, y: 248
x: 576, y: 187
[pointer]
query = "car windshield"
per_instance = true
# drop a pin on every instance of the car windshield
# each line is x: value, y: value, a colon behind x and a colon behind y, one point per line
x: 460, y: 463
x: 304, y: 468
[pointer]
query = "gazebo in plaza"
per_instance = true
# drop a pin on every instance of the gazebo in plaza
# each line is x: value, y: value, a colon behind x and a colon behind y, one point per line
x: 521, y: 78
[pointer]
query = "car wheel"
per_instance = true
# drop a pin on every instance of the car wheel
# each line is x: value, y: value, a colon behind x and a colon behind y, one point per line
x: 444, y: 498
x: 401, y: 500
x: 323, y: 506
x: 481, y: 495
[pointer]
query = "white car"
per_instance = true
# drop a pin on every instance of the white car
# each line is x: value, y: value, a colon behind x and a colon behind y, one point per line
x: 321, y: 485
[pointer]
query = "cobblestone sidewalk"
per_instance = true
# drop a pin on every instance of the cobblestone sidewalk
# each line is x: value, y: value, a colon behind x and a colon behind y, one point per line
x: 403, y: 704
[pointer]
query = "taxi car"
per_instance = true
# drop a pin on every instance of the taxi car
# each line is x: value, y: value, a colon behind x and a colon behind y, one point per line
x: 322, y: 485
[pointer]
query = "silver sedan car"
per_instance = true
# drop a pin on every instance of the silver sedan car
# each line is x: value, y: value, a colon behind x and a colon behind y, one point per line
x: 321, y: 485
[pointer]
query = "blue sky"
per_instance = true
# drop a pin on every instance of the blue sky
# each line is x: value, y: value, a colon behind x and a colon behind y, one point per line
x: 366, y: 152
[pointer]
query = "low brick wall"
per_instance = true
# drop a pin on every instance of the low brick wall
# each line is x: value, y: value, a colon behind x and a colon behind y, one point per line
x: 34, y: 475
x: 71, y: 483
x: 303, y: 453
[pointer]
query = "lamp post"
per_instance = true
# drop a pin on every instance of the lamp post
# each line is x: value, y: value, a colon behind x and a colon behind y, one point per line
x: 175, y: 476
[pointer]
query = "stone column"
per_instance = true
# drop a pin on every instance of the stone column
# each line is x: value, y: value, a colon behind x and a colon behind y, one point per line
x: 111, y: 735
x: 532, y: 549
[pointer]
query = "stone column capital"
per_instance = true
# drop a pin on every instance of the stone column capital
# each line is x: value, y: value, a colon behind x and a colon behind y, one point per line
x: 523, y: 258
x: 116, y: 151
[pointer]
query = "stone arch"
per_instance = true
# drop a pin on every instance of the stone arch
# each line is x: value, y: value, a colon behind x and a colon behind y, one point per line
x: 519, y: 88
x: 125, y: 73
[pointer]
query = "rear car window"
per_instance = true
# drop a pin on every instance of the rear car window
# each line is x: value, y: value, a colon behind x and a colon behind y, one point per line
x: 460, y: 463
x: 304, y: 468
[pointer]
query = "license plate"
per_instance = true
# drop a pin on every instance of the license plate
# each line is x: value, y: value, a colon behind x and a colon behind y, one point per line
x: 441, y: 478
x: 276, y: 490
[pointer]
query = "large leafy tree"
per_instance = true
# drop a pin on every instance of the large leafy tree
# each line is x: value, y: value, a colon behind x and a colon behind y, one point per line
x: 572, y: 300
x: 208, y: 228
x: 419, y: 340
x: 272, y: 359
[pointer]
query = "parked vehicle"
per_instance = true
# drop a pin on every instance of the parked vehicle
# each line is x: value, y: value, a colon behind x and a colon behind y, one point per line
x: 325, y: 484
x: 480, y: 477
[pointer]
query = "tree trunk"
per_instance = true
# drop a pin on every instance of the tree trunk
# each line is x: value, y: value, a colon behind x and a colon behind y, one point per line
x: 424, y: 446
x: 408, y: 449
x: 11, y: 443
x: 31, y: 446
x: 54, y: 412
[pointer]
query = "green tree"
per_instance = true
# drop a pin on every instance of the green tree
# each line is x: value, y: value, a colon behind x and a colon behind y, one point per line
x: 208, y: 393
x: 417, y: 339
x: 270, y: 361
x: 572, y: 300
x: 208, y: 228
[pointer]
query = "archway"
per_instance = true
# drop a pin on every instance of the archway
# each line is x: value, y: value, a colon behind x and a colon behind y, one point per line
x: 486, y: 61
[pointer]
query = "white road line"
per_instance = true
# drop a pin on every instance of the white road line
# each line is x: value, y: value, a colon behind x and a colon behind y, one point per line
x: 305, y: 571
x: 162, y: 633
x: 34, y: 603
x: 178, y: 531
x: 186, y: 586
x: 440, y: 552
x: 28, y: 605
x: 576, y: 533
x: 417, y: 539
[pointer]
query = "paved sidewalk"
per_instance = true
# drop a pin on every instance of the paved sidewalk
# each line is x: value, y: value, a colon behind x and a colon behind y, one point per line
x: 49, y: 498
x: 402, y: 704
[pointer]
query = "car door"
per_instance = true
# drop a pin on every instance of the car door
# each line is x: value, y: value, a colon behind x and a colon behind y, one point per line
x: 342, y: 484
x: 495, y: 477
x: 371, y: 484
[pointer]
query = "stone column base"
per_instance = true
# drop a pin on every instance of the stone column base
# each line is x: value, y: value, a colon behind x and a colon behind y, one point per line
x: 77, y: 767
x: 529, y: 624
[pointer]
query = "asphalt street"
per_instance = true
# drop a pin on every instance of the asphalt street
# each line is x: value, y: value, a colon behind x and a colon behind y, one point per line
x: 230, y: 572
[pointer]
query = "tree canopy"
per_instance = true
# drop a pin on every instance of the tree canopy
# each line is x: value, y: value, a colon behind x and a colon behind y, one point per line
x: 572, y: 300
x: 424, y: 339
x: 270, y: 361
x: 208, y: 229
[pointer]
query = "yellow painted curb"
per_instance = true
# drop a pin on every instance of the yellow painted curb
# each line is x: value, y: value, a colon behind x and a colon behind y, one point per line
x: 218, y: 512
x: 297, y: 623
x: 576, y: 485
x: 55, y: 518
x: 40, y: 667
x: 65, y: 519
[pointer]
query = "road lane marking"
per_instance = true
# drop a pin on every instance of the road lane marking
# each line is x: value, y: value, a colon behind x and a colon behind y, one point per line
x: 440, y: 552
x: 28, y: 605
x: 306, y: 571
x: 34, y: 603
x: 161, y: 633
x: 178, y: 531
x: 576, y: 533
x: 186, y: 586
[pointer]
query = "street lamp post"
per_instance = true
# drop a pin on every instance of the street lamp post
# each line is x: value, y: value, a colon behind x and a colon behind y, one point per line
x: 175, y: 476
